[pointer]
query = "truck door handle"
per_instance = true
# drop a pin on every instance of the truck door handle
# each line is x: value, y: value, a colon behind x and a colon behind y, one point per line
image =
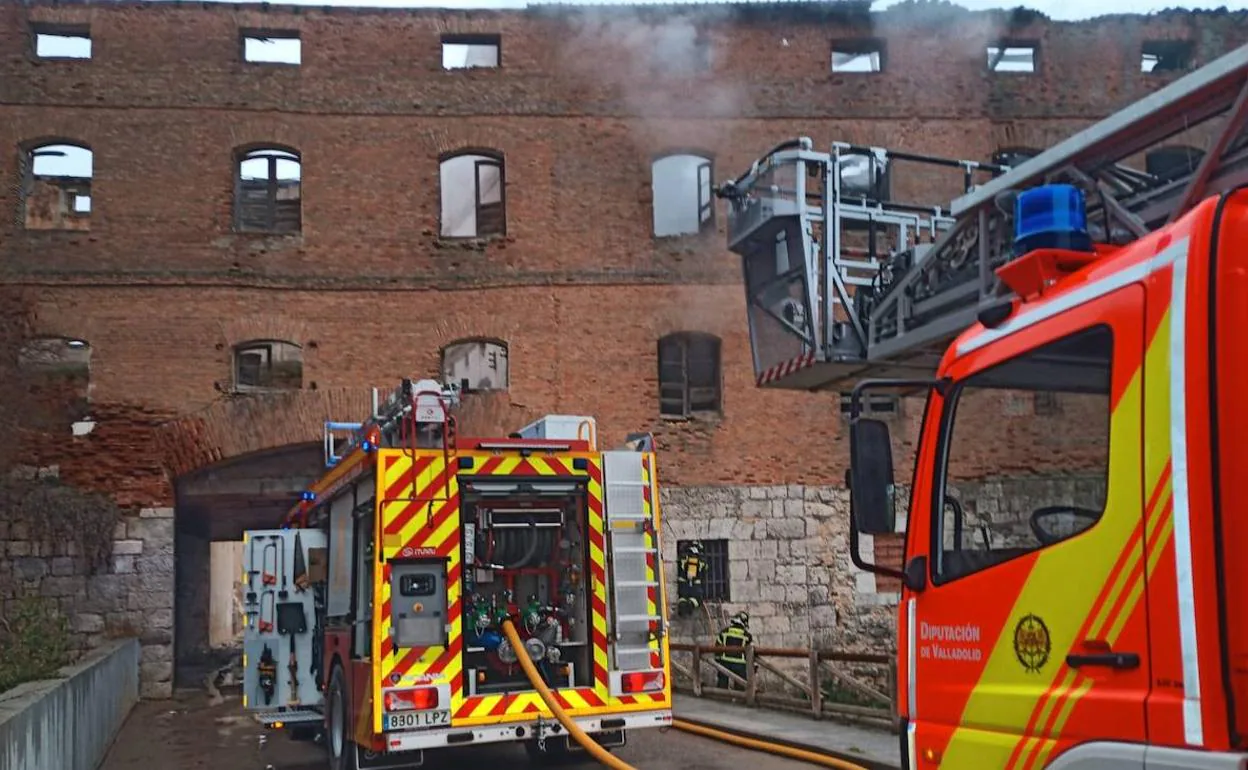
x: 1120, y: 660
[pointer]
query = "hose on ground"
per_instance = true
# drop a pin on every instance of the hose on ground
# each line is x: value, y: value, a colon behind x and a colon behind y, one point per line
x: 766, y: 747
x: 574, y: 730
x: 608, y: 759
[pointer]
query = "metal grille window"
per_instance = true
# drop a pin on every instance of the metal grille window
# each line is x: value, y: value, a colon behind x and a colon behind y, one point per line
x: 717, y: 582
x: 267, y: 195
x: 689, y: 374
x: 268, y: 364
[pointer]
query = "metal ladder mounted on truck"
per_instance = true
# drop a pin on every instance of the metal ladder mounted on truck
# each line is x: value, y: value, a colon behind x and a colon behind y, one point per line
x: 844, y: 282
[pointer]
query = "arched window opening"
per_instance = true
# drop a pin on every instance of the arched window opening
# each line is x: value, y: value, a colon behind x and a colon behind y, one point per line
x: 473, y: 196
x: 268, y: 191
x: 56, y: 187
x: 476, y: 365
x: 682, y: 200
x: 268, y: 365
x: 690, y: 374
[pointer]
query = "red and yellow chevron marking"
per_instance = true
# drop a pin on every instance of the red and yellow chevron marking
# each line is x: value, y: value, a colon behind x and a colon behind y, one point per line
x: 417, y: 507
x: 598, y: 578
x: 418, y: 514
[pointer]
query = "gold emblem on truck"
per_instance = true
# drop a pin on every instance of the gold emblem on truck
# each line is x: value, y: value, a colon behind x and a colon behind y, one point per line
x: 1032, y: 643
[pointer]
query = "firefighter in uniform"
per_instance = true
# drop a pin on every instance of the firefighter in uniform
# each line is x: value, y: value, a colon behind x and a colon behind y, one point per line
x: 692, y: 570
x: 735, y: 634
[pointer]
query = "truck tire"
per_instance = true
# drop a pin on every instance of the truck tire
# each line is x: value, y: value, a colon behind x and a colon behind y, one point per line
x: 342, y: 751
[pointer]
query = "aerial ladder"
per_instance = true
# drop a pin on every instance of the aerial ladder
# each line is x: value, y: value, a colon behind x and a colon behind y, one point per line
x: 844, y: 281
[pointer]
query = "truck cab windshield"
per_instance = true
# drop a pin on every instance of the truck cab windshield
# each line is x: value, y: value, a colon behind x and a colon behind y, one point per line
x: 1054, y: 400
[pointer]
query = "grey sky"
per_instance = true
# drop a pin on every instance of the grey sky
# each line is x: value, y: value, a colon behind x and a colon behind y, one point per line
x: 1064, y: 10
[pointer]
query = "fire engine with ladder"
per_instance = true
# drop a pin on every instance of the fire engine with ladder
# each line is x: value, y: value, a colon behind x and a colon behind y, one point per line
x: 1107, y: 635
x: 380, y: 615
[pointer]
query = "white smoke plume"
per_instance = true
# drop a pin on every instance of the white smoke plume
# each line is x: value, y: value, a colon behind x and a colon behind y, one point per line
x: 654, y: 68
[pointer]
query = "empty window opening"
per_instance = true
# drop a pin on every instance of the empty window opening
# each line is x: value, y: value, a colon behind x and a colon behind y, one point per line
x: 1012, y: 58
x: 858, y: 56
x: 268, y: 191
x: 473, y: 204
x: 683, y: 202
x: 272, y: 47
x: 476, y: 365
x: 716, y: 581
x: 1166, y: 56
x: 690, y: 375
x: 57, y: 373
x: 57, y: 187
x: 871, y: 404
x: 62, y: 43
x: 1170, y: 163
x: 268, y: 365
x: 470, y: 51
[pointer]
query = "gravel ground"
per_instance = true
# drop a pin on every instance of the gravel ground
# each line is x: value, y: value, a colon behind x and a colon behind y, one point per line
x: 186, y: 733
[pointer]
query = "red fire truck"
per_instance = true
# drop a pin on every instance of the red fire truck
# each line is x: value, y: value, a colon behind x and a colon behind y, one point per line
x: 1080, y: 606
x: 376, y: 610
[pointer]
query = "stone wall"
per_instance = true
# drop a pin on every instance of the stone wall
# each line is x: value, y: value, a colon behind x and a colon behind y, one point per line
x: 132, y: 595
x: 788, y: 563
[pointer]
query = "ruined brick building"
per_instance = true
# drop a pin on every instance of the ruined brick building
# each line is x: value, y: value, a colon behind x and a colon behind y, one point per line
x: 229, y: 245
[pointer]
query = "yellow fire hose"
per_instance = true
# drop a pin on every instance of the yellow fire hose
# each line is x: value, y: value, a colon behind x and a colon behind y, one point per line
x: 606, y: 758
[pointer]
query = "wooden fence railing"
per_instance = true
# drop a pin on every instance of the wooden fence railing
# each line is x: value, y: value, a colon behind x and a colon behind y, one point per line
x: 805, y: 683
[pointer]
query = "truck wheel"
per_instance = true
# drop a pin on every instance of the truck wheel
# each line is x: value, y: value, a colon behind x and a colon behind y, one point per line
x: 342, y: 751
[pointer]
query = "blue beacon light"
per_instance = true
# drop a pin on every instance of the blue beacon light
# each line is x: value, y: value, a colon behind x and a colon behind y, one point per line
x: 1051, y: 216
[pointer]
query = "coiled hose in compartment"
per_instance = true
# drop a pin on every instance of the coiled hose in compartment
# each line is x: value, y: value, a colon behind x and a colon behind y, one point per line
x: 606, y: 758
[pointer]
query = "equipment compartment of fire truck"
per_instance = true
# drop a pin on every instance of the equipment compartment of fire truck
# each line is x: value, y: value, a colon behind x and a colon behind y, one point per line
x: 529, y: 554
x: 282, y: 599
x: 432, y: 543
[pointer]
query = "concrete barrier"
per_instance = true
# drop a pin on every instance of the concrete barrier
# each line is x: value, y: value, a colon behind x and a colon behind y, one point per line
x: 69, y: 723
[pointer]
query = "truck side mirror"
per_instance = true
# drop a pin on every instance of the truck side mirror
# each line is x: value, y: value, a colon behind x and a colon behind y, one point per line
x: 871, y: 491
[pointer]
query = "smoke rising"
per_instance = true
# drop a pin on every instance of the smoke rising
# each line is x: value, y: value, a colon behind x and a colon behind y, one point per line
x: 653, y: 68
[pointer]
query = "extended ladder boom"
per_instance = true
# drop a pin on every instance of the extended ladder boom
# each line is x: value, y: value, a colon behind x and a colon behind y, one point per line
x: 843, y: 281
